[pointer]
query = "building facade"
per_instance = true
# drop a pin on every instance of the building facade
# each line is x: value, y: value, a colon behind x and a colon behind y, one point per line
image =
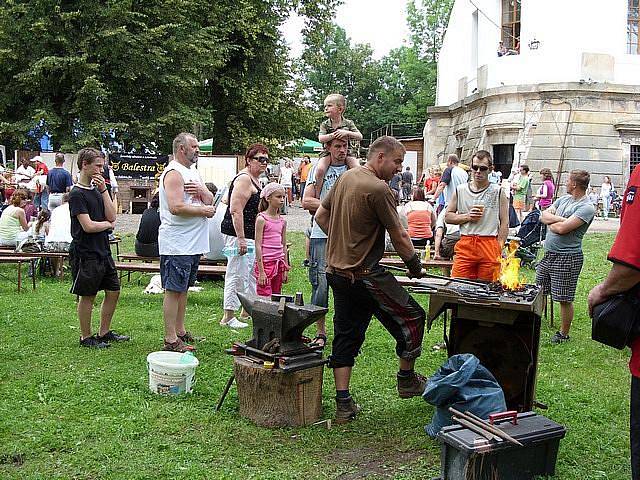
x: 549, y: 84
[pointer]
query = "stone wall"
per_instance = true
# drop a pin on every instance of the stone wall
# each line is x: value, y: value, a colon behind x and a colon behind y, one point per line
x: 558, y: 126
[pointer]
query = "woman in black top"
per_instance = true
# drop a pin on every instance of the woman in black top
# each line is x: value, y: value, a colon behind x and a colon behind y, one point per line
x: 147, y: 236
x: 238, y: 226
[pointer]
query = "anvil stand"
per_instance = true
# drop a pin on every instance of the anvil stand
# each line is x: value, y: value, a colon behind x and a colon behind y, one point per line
x: 279, y: 378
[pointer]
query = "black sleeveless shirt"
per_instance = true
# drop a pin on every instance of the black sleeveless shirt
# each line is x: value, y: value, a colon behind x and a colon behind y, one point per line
x: 249, y: 213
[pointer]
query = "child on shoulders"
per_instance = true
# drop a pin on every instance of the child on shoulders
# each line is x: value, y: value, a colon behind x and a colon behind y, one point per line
x: 335, y: 126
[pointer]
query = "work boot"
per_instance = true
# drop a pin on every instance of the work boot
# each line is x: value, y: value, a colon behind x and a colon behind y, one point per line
x: 412, y: 385
x: 346, y: 410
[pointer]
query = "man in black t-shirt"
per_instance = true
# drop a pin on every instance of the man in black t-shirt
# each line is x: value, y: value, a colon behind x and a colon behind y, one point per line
x: 93, y: 214
x: 407, y: 183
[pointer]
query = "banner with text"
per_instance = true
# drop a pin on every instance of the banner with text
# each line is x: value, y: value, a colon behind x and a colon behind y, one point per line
x: 137, y: 165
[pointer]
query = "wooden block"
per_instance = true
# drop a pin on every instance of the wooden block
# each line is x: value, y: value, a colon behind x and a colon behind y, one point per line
x: 274, y: 398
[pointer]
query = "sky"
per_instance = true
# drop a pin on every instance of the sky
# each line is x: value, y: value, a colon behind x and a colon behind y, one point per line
x: 380, y: 23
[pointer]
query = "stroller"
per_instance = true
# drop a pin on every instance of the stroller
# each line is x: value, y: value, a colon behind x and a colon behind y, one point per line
x: 531, y: 234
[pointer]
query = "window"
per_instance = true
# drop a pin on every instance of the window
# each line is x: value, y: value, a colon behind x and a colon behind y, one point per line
x: 511, y: 24
x: 634, y: 157
x: 633, y: 22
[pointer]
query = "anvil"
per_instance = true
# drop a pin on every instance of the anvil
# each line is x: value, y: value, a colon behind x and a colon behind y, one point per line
x: 273, y: 325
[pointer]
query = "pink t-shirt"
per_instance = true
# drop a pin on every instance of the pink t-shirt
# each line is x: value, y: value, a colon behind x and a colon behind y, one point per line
x: 544, y: 202
x: 272, y: 250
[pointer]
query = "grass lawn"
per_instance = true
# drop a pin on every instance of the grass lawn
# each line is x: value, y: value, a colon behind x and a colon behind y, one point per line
x: 70, y: 412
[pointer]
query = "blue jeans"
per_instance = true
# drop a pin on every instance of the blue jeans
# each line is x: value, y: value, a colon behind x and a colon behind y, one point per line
x: 317, y: 272
x: 41, y: 200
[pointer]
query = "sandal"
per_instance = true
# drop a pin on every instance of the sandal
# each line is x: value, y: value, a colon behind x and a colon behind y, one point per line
x: 178, y: 346
x: 320, y: 340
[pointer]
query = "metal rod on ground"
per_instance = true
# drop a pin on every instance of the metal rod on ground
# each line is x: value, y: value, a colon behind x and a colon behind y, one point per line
x: 225, y: 391
x: 483, y: 424
x: 474, y: 428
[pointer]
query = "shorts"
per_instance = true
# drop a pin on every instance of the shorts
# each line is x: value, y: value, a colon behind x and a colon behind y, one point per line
x: 92, y: 274
x: 59, y: 247
x: 518, y: 203
x: 557, y: 273
x: 477, y: 258
x: 379, y: 294
x: 178, y: 272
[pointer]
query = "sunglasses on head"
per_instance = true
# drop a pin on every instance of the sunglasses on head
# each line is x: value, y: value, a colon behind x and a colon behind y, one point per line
x: 262, y: 159
x: 482, y: 168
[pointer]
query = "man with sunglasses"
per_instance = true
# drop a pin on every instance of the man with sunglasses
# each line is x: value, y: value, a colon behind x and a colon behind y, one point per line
x: 481, y: 209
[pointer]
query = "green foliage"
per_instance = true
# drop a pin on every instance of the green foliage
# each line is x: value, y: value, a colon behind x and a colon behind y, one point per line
x: 142, y: 70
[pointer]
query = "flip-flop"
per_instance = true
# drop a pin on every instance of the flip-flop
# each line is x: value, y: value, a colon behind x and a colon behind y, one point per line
x: 319, y: 340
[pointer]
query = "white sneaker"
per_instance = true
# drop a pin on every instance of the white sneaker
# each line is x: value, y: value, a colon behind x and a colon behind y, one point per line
x: 234, y: 323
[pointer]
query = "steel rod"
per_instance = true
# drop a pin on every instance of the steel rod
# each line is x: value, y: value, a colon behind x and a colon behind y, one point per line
x: 483, y: 424
x: 474, y: 428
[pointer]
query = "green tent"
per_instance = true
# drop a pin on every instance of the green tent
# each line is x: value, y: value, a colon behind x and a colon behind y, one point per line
x: 308, y: 146
x: 206, y: 145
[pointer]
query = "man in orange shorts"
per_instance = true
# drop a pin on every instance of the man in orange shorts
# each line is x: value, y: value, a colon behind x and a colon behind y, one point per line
x: 481, y: 209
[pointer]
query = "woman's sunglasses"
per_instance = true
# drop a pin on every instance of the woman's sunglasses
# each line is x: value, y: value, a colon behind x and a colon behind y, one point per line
x: 262, y: 159
x: 482, y: 168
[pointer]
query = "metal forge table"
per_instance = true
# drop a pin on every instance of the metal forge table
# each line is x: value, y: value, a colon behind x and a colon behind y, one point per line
x: 501, y: 328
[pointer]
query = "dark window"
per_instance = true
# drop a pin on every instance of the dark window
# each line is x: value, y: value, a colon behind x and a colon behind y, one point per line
x: 634, y: 158
x: 633, y: 22
x: 511, y: 25
x: 503, y: 158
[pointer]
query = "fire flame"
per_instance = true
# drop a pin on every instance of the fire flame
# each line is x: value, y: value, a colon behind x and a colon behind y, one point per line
x: 510, y: 268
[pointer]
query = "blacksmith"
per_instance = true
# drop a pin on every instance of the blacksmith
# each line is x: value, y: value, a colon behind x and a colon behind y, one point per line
x: 355, y: 214
x: 481, y: 209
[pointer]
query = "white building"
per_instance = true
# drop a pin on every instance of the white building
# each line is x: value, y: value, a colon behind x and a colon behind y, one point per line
x: 567, y: 94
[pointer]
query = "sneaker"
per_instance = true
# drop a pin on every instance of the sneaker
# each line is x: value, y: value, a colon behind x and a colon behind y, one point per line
x: 234, y: 323
x: 412, y: 385
x: 93, y: 342
x: 305, y: 263
x: 178, y: 346
x: 346, y: 410
x: 112, y: 336
x: 559, y: 337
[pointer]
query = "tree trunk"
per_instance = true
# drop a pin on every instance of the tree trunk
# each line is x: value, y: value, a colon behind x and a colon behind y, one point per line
x: 274, y: 398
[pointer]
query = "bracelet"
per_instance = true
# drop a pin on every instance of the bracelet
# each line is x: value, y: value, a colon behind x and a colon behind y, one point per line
x: 102, y: 191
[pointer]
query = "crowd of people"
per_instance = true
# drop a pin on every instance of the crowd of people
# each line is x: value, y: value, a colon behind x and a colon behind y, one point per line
x: 464, y: 211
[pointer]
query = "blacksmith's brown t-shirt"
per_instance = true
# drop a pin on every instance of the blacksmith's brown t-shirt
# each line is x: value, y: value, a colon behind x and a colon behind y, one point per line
x: 361, y: 208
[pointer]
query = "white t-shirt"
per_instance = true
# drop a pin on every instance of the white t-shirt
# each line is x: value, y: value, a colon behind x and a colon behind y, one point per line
x: 181, y: 235
x: 24, y: 175
x: 286, y: 173
x: 605, y: 190
x: 59, y: 225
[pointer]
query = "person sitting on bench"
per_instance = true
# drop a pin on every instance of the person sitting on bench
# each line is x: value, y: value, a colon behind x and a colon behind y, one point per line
x: 147, y: 237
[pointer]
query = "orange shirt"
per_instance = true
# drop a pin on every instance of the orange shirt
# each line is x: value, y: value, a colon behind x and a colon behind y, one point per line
x: 419, y: 222
x: 304, y: 172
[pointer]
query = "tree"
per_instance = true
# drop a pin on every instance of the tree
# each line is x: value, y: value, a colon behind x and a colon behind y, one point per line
x: 136, y: 72
x: 336, y: 66
x: 428, y: 23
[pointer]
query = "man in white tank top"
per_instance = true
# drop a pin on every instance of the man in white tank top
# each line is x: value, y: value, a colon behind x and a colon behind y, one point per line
x: 481, y: 209
x: 183, y: 236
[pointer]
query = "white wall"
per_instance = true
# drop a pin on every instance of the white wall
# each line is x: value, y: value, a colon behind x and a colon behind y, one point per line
x: 565, y: 29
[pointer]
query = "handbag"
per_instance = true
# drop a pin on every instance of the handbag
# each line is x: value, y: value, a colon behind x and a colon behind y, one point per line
x: 29, y: 245
x: 615, y: 321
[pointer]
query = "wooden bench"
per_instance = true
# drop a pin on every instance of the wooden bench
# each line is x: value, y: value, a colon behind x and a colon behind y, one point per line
x: 14, y: 254
x: 132, y: 257
x: 444, y: 265
x: 19, y: 260
x: 153, y: 267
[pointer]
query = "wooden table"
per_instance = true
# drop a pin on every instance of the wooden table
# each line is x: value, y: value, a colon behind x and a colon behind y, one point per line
x: 19, y: 260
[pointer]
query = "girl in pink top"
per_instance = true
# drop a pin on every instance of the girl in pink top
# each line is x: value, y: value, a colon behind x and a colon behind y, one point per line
x: 271, y: 238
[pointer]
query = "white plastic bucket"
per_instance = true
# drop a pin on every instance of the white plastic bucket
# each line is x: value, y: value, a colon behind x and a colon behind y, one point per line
x: 168, y: 376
